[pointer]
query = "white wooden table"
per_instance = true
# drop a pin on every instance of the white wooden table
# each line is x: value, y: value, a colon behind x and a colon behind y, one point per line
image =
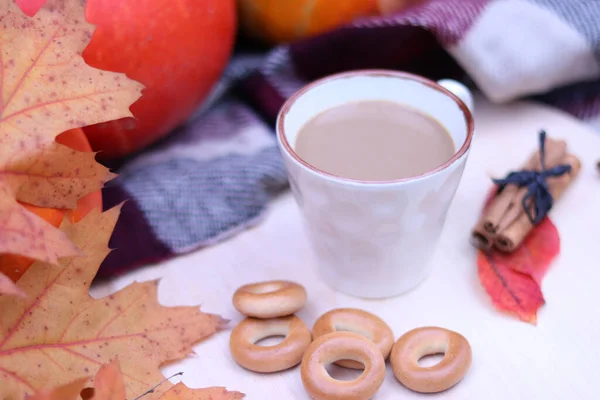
x: 558, y: 359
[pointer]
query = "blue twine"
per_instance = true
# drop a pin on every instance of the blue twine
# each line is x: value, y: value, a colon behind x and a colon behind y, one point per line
x: 538, y: 193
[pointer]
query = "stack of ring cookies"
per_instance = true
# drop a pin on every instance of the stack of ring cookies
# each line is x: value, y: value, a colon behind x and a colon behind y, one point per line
x: 269, y: 308
x: 348, y: 337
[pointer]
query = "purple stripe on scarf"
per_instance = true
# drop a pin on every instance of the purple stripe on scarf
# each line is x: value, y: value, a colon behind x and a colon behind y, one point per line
x: 133, y: 240
x: 581, y: 99
x: 256, y: 91
x: 405, y: 48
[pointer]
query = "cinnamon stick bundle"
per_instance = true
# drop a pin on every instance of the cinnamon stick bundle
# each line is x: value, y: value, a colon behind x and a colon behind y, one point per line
x: 505, y: 224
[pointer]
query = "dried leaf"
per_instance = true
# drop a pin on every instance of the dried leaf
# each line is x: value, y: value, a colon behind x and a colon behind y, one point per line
x: 45, y: 89
x: 7, y: 286
x: 59, y: 333
x: 23, y: 232
x: 70, y: 391
x: 109, y: 385
x: 182, y: 392
x: 510, y: 291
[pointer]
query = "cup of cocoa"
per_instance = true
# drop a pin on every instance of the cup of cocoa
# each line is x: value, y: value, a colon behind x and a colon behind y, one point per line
x: 374, y: 158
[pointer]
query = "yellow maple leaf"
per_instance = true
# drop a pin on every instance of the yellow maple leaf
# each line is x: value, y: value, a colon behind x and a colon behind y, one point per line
x: 45, y: 89
x: 59, y: 333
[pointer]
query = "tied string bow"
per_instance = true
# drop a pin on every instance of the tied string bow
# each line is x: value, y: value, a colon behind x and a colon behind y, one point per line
x: 538, y: 200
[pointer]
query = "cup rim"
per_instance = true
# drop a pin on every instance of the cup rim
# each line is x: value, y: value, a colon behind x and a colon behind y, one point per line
x: 284, y: 110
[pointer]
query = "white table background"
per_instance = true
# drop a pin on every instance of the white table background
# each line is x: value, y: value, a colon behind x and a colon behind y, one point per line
x: 557, y: 359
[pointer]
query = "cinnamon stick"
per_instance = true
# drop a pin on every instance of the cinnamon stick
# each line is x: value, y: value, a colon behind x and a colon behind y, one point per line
x: 481, y: 238
x: 499, y: 214
x: 511, y: 237
x: 505, y: 224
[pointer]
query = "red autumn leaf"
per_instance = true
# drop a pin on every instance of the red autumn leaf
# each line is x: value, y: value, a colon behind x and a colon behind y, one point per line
x: 510, y: 291
x: 537, y: 252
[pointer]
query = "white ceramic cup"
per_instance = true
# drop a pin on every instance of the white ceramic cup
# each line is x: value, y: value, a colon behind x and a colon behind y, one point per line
x: 375, y: 239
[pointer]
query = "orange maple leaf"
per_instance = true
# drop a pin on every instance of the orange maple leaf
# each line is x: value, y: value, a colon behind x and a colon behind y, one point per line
x: 182, y: 392
x: 46, y: 89
x: 70, y: 391
x: 109, y: 385
x: 59, y: 333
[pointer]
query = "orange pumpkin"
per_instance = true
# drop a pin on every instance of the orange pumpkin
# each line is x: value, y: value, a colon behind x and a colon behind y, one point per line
x: 392, y: 6
x: 277, y: 21
x: 13, y: 265
x: 176, y: 49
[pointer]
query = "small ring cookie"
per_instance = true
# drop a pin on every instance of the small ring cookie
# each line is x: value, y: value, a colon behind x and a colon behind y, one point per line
x: 337, y: 346
x: 269, y: 299
x: 421, y: 342
x: 357, y: 321
x: 279, y: 357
